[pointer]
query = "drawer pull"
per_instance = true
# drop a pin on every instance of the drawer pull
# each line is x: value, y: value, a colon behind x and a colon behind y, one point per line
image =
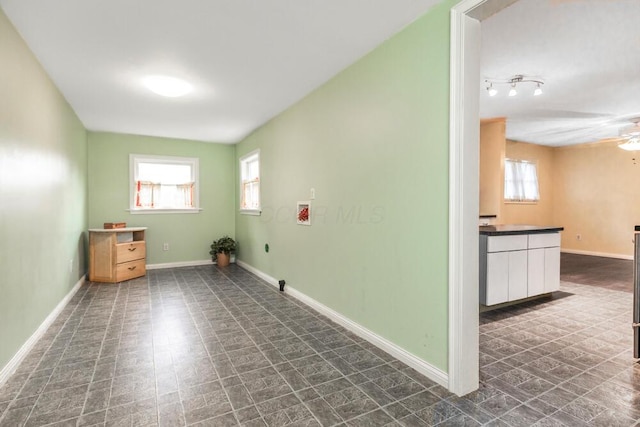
x: 132, y: 268
x: 132, y: 249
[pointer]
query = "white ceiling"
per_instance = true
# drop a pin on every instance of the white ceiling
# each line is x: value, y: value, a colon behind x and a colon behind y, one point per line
x: 248, y: 60
x: 587, y: 52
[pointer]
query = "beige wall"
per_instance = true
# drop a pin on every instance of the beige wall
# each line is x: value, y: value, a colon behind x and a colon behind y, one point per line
x: 589, y: 189
x: 540, y: 213
x: 597, y: 195
x: 492, y: 152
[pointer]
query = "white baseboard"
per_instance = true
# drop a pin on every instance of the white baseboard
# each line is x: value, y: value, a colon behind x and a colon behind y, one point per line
x: 15, y: 361
x: 399, y: 353
x: 601, y: 254
x: 260, y: 274
x: 179, y: 264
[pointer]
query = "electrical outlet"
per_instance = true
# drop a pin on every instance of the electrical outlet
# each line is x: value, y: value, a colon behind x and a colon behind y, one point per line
x: 312, y: 194
x: 578, y: 236
x: 165, y: 246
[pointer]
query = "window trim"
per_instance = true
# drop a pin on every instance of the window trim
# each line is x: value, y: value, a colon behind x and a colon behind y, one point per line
x: 245, y: 158
x: 194, y: 162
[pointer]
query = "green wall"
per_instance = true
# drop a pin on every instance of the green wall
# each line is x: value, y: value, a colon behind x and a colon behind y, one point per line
x: 189, y: 235
x: 43, y: 187
x: 373, y: 143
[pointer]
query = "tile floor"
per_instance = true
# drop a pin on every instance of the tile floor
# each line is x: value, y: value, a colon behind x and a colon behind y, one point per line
x: 209, y: 347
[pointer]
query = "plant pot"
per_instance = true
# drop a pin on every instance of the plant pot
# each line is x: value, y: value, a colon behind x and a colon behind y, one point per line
x: 222, y: 259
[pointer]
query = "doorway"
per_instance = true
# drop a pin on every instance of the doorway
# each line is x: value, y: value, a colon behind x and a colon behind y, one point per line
x: 466, y: 18
x: 464, y: 125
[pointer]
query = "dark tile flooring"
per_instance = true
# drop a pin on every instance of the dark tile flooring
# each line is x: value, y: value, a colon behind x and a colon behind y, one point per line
x: 219, y: 347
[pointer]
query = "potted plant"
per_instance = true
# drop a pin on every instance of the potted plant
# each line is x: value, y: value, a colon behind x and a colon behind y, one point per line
x: 221, y: 250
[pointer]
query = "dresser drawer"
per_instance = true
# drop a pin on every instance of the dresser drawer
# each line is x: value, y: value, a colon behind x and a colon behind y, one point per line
x: 130, y: 270
x: 130, y: 251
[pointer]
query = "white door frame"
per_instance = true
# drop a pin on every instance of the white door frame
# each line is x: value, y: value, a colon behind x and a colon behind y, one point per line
x: 464, y: 142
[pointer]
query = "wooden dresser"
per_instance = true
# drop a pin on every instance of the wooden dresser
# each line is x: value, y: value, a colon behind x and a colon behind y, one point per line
x: 116, y: 255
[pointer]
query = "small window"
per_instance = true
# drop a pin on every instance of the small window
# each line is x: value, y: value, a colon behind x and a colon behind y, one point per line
x: 161, y: 183
x: 520, y: 181
x: 250, y: 183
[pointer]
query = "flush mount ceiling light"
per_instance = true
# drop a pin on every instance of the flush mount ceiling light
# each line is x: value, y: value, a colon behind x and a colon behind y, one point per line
x: 167, y: 86
x: 514, y: 82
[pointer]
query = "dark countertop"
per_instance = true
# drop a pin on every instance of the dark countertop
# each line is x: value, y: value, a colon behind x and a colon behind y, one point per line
x: 510, y: 229
x: 637, y: 227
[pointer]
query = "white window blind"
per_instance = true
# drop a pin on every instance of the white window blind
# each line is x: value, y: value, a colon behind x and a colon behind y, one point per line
x: 520, y: 181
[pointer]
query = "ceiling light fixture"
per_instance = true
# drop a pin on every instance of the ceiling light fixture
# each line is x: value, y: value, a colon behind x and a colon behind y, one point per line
x: 632, y: 144
x: 514, y: 82
x: 632, y: 133
x: 538, y: 90
x: 171, y: 87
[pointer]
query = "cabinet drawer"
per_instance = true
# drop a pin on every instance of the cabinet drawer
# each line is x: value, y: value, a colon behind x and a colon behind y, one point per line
x: 130, y: 270
x: 546, y: 240
x: 130, y: 251
x: 506, y: 243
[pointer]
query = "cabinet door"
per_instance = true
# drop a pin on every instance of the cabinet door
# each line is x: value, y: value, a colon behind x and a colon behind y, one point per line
x: 497, y: 287
x: 102, y: 260
x: 535, y: 272
x: 517, y: 275
x: 551, y: 269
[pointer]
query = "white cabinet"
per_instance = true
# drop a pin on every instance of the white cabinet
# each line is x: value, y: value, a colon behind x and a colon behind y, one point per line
x: 497, y: 265
x: 513, y: 267
x: 535, y: 272
x: 503, y: 268
x: 551, y: 269
x: 544, y: 263
x: 517, y: 275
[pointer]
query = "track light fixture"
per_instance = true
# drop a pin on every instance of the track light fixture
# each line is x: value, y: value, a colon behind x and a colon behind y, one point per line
x: 514, y: 81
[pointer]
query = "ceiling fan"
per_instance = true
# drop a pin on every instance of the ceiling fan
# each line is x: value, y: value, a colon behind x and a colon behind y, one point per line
x: 629, y: 136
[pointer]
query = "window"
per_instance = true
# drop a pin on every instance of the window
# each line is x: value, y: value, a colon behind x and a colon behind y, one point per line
x: 520, y: 181
x: 161, y: 183
x: 250, y: 183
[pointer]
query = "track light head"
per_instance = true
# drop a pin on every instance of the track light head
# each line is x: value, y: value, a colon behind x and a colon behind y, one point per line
x: 537, y: 91
x: 513, y: 91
